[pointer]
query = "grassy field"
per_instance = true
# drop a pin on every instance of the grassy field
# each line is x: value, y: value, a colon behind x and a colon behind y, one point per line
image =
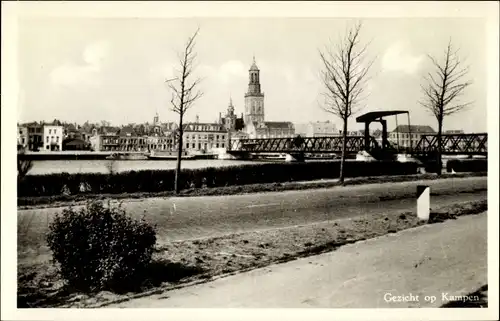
x: 181, y: 263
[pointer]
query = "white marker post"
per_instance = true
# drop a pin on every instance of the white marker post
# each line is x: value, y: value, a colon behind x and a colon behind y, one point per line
x: 423, y: 202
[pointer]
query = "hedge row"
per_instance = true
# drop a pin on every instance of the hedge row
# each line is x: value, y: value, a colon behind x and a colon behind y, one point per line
x: 163, y: 180
x: 467, y: 165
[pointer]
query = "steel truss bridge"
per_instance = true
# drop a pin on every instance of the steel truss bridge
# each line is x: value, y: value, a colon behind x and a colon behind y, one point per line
x: 453, y: 144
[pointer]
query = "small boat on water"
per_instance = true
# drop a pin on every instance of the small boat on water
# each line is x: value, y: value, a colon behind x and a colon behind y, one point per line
x: 321, y: 156
x: 127, y: 156
x: 204, y: 155
x: 274, y: 156
x: 168, y: 155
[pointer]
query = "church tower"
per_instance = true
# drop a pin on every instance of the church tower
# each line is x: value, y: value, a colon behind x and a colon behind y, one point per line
x: 254, y: 98
x: 230, y: 121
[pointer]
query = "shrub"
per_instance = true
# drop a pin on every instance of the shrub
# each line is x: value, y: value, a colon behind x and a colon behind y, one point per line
x: 162, y: 180
x: 100, y: 247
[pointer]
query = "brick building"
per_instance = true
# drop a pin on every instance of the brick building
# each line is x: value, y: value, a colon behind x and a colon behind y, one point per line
x: 316, y: 129
x: 409, y: 136
x: 204, y: 137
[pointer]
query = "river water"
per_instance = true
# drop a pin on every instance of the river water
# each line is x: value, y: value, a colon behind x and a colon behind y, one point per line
x: 41, y: 167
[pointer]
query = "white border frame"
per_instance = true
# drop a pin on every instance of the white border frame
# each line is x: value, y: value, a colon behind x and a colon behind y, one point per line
x: 12, y: 10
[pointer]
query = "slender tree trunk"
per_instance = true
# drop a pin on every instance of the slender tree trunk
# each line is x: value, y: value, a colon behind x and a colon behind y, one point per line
x: 440, y: 146
x: 344, y: 152
x: 179, y: 158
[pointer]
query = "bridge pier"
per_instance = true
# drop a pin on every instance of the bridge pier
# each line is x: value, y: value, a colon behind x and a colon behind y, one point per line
x: 236, y: 156
x: 364, y: 156
x: 295, y: 157
x: 404, y: 158
x: 226, y: 156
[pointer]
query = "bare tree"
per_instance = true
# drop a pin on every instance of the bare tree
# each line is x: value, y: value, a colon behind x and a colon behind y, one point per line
x: 442, y: 90
x: 105, y: 123
x: 24, y: 165
x: 344, y: 75
x: 184, y: 93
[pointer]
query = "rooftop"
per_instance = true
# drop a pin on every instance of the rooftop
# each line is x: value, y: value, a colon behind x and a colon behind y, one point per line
x: 254, y: 65
x: 108, y: 129
x: 414, y: 129
x: 278, y: 124
x: 127, y: 131
x: 212, y: 127
x: 71, y: 127
x: 74, y: 141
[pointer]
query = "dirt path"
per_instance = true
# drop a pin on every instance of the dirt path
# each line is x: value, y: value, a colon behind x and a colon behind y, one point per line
x: 439, y: 260
x: 200, y: 217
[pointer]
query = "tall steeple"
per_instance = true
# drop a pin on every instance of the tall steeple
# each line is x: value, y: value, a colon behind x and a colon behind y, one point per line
x: 230, y: 108
x: 156, y: 119
x: 230, y: 119
x: 254, y: 98
x: 254, y: 79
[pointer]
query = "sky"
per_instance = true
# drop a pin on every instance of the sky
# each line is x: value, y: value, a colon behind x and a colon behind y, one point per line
x: 114, y: 69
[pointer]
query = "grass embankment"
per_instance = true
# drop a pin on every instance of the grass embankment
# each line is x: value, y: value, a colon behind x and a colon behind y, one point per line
x: 160, y: 181
x: 163, y: 180
x: 62, y: 200
x: 181, y: 263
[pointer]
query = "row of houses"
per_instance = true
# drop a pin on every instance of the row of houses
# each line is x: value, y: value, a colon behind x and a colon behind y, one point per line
x: 56, y: 136
x: 53, y: 136
x: 197, y: 137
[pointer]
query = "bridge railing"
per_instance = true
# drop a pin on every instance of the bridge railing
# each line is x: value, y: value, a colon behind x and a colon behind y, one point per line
x: 302, y: 144
x: 454, y: 144
x: 471, y: 144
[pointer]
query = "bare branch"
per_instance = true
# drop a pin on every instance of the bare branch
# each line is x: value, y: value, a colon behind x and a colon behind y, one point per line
x: 454, y: 109
x: 443, y: 88
x: 184, y: 93
x: 344, y: 73
x: 24, y: 165
x: 181, y: 86
x: 439, y: 94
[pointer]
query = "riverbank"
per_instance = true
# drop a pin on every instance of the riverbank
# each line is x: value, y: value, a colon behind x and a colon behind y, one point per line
x: 182, y: 263
x: 106, y: 155
x: 44, y: 167
x: 65, y: 200
x: 154, y: 181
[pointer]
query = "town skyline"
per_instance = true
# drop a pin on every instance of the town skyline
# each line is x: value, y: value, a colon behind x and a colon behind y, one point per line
x: 114, y: 70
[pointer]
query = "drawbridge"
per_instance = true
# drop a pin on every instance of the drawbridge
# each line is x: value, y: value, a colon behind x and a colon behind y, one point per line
x: 452, y: 144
